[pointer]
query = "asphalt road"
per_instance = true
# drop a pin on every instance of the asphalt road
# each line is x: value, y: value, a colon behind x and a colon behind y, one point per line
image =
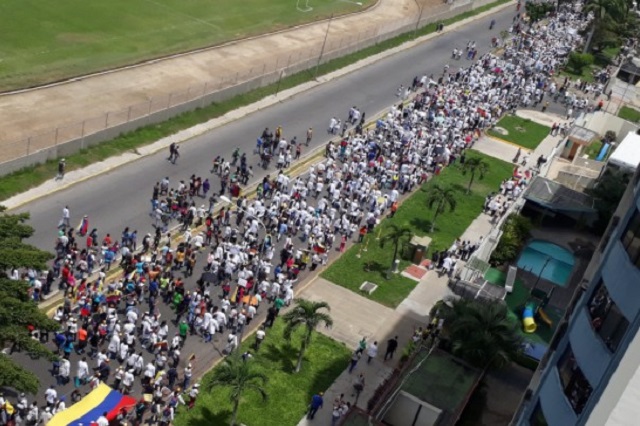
x: 121, y: 198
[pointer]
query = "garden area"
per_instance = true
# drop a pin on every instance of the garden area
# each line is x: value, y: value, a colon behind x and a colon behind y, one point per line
x: 629, y: 114
x: 357, y: 265
x: 520, y: 131
x: 288, y: 393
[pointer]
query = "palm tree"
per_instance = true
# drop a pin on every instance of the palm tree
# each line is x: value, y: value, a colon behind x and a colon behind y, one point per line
x: 472, y: 166
x: 441, y: 197
x: 240, y: 376
x: 605, y: 13
x: 481, y: 333
x: 395, y: 236
x: 305, y: 313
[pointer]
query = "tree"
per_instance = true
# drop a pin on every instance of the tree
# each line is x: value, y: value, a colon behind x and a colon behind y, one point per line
x: 608, y: 192
x: 305, y: 313
x: 441, y: 197
x: 605, y: 15
x: 395, y: 236
x: 18, y: 311
x: 577, y: 61
x: 239, y: 376
x: 481, y: 333
x: 472, y: 166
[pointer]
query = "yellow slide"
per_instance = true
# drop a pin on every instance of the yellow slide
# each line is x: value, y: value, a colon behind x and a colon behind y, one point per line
x: 544, y: 317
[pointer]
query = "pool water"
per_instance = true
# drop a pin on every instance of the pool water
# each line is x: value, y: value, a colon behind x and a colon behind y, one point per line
x: 559, y: 261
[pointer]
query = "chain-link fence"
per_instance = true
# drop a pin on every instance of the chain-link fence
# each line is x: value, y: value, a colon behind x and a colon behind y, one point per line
x: 70, y: 138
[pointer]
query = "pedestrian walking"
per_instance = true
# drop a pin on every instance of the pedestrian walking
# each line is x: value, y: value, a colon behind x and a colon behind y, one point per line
x: 315, y: 405
x: 372, y: 351
x: 355, y: 357
x: 392, y: 345
x: 62, y: 165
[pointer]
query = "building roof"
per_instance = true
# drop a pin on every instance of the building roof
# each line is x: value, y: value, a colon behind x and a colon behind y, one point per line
x: 443, y: 382
x: 557, y: 197
x: 582, y: 135
x: 627, y: 153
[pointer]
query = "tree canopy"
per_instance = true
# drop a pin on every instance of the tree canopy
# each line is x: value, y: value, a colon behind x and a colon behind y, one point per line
x: 18, y: 311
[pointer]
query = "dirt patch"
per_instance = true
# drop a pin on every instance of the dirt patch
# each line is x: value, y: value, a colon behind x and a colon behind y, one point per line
x: 501, y: 130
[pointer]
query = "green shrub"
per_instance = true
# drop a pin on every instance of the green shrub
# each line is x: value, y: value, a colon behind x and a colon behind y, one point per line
x: 515, y: 232
x: 537, y: 11
x: 577, y: 61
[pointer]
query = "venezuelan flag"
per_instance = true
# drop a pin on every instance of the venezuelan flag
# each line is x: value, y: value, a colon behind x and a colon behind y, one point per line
x: 102, y: 399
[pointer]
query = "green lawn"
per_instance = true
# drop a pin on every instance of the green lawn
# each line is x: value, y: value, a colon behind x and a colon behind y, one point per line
x: 629, y: 114
x: 521, y: 131
x: 593, y: 150
x: 288, y: 394
x: 586, y: 75
x: 45, y: 41
x: 348, y: 271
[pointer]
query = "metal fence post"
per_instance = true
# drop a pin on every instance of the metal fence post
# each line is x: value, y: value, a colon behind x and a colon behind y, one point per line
x: 129, y: 114
x: 28, y: 145
x: 106, y: 120
x: 169, y: 103
x: 55, y: 140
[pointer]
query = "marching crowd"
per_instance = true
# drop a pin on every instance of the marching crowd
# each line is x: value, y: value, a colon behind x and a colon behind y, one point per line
x: 252, y: 252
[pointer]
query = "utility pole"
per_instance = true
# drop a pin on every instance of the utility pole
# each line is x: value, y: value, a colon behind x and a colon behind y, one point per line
x: 324, y: 44
x: 420, y: 8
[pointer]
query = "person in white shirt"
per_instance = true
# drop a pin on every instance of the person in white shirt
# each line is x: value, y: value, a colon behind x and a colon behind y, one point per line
x: 102, y: 420
x: 50, y: 396
x: 372, y: 351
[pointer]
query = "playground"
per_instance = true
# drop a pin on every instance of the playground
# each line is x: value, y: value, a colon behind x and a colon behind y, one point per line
x: 531, y: 307
x: 49, y: 41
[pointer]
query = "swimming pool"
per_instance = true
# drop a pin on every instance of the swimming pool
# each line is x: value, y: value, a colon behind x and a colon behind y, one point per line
x: 559, y: 261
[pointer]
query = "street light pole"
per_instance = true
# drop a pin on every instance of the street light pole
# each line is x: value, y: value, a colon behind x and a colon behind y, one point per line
x: 324, y: 43
x: 421, y: 9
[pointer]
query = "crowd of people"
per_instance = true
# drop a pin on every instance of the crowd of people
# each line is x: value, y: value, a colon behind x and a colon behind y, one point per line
x: 250, y: 253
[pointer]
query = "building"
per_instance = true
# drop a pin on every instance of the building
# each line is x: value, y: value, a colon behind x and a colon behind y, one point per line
x: 591, y: 373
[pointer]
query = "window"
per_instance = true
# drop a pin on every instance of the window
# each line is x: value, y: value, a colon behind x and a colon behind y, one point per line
x: 575, y: 385
x: 537, y: 417
x: 606, y: 318
x: 631, y: 239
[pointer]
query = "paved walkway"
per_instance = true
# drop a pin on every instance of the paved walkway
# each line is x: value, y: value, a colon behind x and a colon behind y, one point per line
x: 147, y: 87
x: 356, y: 317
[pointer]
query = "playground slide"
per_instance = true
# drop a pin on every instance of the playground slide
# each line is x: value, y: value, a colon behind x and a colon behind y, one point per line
x: 528, y: 322
x: 544, y: 317
x: 603, y: 152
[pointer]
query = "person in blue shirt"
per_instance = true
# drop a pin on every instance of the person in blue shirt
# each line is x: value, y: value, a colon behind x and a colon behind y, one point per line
x: 316, y: 404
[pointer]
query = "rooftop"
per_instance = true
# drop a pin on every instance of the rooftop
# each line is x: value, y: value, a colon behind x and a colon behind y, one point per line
x: 442, y: 381
x: 555, y: 196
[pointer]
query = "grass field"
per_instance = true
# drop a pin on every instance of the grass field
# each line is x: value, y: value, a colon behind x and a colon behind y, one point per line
x: 521, y: 131
x: 45, y: 41
x: 349, y: 270
x: 629, y: 114
x: 288, y: 393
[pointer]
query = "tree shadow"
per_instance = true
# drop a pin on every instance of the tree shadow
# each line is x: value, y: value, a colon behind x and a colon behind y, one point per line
x: 325, y: 377
x: 472, y: 413
x: 206, y: 417
x: 421, y: 224
x: 374, y: 266
x: 285, y: 354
